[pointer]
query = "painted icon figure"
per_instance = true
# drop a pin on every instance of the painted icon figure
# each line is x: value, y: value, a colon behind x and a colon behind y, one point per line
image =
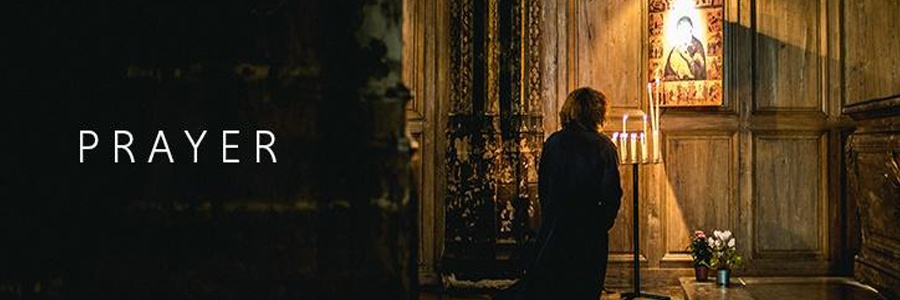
x: 687, y: 59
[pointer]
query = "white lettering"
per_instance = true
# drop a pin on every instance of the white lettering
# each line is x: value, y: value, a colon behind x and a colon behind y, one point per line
x: 268, y: 146
x: 195, y: 144
x: 82, y: 147
x: 118, y: 146
x: 226, y: 146
x: 160, y: 136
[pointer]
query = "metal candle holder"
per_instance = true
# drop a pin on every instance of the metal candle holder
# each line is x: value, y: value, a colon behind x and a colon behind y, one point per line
x: 633, y: 152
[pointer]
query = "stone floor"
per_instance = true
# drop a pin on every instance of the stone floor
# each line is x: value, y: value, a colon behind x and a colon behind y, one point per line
x: 676, y: 292
x: 769, y: 288
x: 751, y: 288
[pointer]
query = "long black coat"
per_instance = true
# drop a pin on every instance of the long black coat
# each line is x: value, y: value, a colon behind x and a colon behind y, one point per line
x: 580, y: 196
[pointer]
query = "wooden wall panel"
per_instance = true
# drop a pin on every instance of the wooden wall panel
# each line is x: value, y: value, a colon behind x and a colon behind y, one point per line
x: 787, y: 61
x: 620, y: 235
x: 554, y: 66
x: 871, y: 62
x: 699, y: 189
x: 608, y: 49
x: 756, y: 166
x: 789, y: 197
x: 424, y: 59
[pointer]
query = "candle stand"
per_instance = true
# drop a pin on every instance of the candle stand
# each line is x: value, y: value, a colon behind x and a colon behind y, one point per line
x: 636, y: 240
x: 648, y: 155
x: 628, y: 155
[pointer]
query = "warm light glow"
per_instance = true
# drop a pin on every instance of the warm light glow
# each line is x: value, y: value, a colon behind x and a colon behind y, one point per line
x: 675, y: 35
x: 615, y: 139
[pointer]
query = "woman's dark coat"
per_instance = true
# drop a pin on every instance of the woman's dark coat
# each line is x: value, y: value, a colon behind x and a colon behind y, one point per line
x: 580, y: 195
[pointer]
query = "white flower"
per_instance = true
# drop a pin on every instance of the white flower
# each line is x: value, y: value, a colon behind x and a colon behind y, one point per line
x: 726, y: 235
x: 731, y: 243
x: 710, y: 241
x: 717, y: 234
x: 718, y: 243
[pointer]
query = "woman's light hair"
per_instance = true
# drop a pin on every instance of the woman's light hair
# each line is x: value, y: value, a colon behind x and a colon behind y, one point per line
x: 584, y: 107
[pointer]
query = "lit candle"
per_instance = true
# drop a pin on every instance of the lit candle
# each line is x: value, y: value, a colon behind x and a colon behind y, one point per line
x: 643, y: 147
x: 624, y: 124
x: 644, y: 123
x: 633, y: 151
x: 615, y: 139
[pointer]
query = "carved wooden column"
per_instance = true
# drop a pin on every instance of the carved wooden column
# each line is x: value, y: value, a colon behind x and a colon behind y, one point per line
x: 521, y: 118
x: 469, y: 215
x: 494, y: 132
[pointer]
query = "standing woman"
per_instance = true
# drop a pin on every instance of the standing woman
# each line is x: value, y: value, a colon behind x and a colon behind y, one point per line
x: 580, y: 195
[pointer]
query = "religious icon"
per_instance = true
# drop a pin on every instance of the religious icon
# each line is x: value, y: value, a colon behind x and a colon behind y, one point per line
x: 686, y: 51
x: 687, y: 59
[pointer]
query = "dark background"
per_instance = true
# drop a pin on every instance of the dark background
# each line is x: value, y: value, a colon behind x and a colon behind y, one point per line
x: 302, y: 228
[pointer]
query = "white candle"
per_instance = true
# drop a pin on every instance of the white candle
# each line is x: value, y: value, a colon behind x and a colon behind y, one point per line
x: 650, y: 101
x: 643, y: 147
x: 644, y: 123
x: 624, y: 124
x: 615, y: 139
x: 658, y: 102
x: 656, y: 142
x: 633, y: 151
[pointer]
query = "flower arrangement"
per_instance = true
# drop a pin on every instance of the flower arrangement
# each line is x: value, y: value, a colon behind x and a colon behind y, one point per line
x: 724, y: 251
x: 701, y: 253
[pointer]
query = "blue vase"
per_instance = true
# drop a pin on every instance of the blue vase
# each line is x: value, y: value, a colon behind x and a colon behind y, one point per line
x: 723, y: 276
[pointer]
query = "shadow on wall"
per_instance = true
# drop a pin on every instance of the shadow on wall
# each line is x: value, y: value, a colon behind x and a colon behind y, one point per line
x: 703, y: 186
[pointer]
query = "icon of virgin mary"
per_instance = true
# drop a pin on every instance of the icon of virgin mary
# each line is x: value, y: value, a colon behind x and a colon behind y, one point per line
x: 687, y: 59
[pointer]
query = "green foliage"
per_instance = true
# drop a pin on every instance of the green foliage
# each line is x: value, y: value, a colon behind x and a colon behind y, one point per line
x: 724, y: 251
x: 700, y: 250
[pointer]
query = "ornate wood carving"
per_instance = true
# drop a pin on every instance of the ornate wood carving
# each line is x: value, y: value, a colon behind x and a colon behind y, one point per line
x: 469, y: 206
x: 872, y: 176
x: 533, y: 133
x: 871, y: 90
x: 494, y: 129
